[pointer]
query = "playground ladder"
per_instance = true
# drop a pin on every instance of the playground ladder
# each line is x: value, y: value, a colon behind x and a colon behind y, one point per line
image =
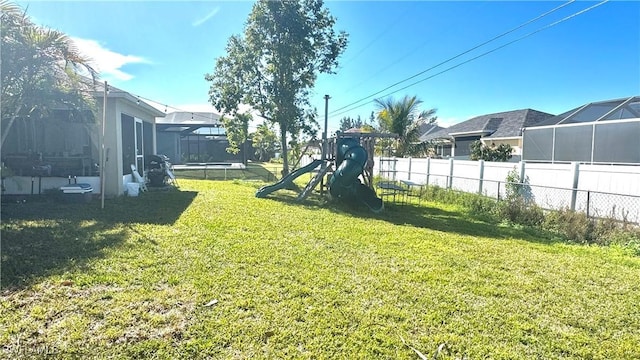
x: 314, y: 182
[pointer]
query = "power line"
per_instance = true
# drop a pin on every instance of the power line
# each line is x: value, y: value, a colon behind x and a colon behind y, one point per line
x: 99, y: 86
x: 389, y: 26
x: 397, y: 60
x: 469, y: 60
x: 194, y: 114
x: 372, y: 76
x: 454, y: 57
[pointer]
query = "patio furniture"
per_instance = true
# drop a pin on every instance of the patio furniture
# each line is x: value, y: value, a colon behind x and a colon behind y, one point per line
x: 139, y: 179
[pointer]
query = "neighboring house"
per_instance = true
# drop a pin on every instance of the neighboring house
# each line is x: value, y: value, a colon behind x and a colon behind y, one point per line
x: 55, y: 148
x: 195, y: 137
x: 425, y: 130
x: 603, y: 132
x: 491, y: 129
x: 426, y: 135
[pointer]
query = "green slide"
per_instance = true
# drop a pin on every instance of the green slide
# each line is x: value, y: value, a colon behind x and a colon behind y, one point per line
x: 287, y: 181
x: 344, y: 183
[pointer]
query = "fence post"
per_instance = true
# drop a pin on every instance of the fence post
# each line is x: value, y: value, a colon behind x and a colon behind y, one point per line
x: 428, y: 170
x: 450, y: 179
x: 521, y: 171
x: 575, y: 173
x: 480, y: 176
x: 409, y: 176
x: 395, y: 168
x: 588, y: 201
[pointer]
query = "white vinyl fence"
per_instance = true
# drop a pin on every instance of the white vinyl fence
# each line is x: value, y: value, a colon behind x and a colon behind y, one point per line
x: 598, y: 190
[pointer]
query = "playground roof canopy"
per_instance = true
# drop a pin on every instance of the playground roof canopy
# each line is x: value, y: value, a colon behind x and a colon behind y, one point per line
x: 358, y: 133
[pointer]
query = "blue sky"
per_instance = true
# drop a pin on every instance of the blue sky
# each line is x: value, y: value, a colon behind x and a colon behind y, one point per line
x: 162, y: 50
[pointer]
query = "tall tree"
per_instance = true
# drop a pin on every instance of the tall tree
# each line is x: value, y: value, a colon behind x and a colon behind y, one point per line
x: 275, y: 63
x: 347, y: 123
x: 403, y: 118
x: 40, y: 71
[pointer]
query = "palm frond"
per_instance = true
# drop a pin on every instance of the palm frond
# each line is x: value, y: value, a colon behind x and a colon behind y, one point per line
x: 9, y: 8
x: 402, y: 117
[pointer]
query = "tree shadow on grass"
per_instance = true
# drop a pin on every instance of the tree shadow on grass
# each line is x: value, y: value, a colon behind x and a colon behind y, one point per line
x: 44, y: 237
x: 152, y: 207
x: 428, y: 217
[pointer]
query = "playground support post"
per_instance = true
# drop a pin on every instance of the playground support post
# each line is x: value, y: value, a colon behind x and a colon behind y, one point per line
x: 324, y: 132
x: 103, y: 156
x: 325, y: 142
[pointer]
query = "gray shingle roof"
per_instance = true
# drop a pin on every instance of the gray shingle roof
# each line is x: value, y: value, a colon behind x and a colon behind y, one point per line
x: 427, y: 130
x: 440, y: 133
x: 497, y: 125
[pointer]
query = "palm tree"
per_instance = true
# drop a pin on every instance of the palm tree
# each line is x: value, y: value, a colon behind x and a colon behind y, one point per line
x: 41, y: 69
x: 402, y: 118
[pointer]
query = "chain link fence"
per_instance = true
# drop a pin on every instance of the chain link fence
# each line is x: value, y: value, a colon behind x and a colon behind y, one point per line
x: 549, y: 188
x: 595, y: 204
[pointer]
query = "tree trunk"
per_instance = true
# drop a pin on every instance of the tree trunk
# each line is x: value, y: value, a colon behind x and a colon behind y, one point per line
x: 9, y: 124
x: 284, y: 152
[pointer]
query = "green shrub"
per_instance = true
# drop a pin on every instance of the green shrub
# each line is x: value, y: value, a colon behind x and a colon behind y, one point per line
x: 474, y: 202
x: 439, y: 194
x: 605, y: 229
x: 610, y: 231
x: 518, y: 211
x: 625, y: 238
x: 519, y: 208
x: 518, y: 188
x: 481, y: 204
x: 572, y: 225
x: 577, y: 227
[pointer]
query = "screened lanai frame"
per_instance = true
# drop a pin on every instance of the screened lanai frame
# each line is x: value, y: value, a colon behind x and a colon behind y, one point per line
x: 606, y: 132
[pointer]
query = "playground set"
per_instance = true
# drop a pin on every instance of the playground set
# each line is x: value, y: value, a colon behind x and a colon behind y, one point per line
x: 347, y: 164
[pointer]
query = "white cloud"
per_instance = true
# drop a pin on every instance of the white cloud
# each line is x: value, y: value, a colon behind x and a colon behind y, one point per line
x: 446, y: 122
x: 201, y: 21
x: 107, y: 62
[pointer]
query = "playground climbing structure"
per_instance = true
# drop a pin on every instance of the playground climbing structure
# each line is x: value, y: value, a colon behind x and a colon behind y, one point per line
x: 345, y: 172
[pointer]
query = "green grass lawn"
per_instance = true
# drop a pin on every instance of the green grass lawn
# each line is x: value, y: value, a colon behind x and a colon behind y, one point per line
x: 312, y: 280
x: 253, y: 171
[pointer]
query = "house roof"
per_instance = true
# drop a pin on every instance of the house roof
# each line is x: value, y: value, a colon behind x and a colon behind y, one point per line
x: 427, y: 130
x: 616, y: 109
x: 497, y: 125
x: 114, y: 92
